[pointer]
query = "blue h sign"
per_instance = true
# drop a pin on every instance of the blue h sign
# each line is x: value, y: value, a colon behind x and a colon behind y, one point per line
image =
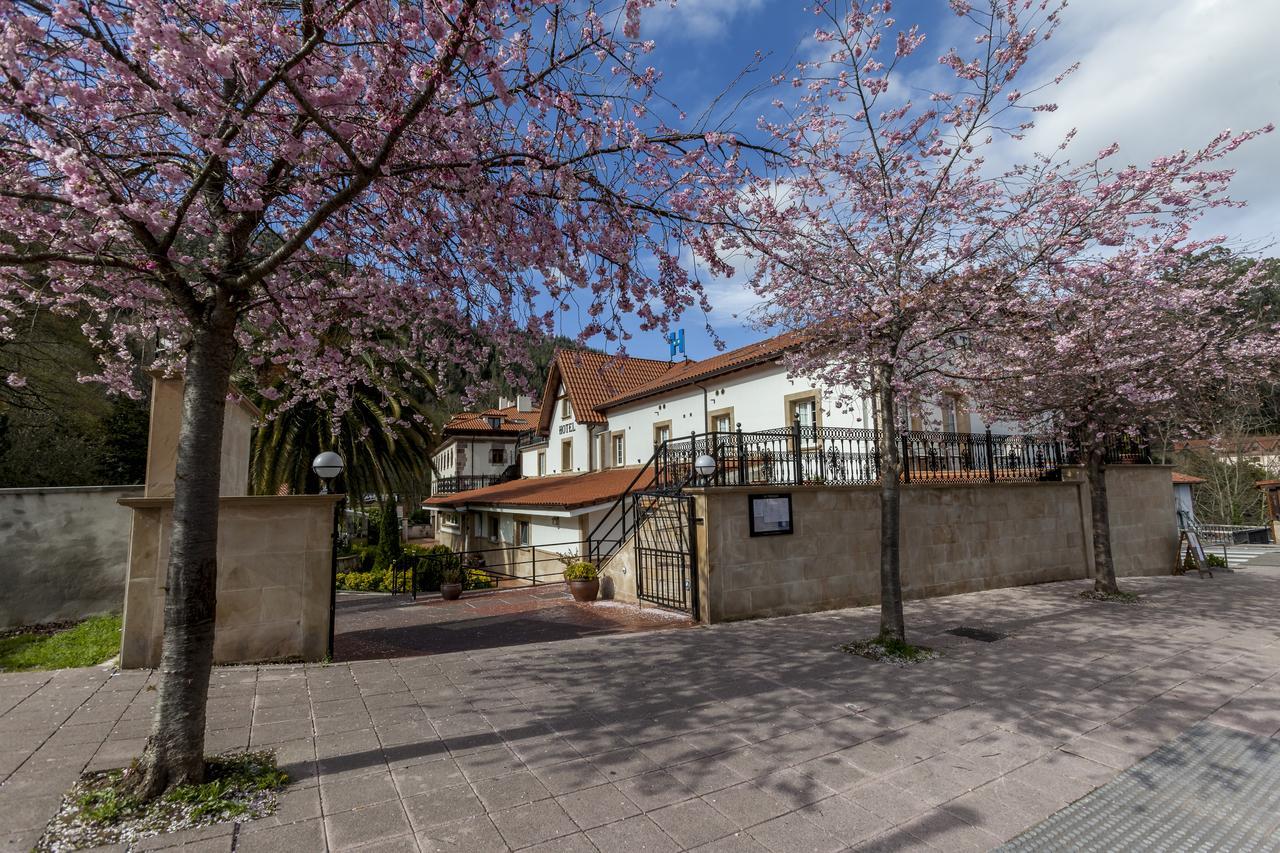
x: 676, y: 341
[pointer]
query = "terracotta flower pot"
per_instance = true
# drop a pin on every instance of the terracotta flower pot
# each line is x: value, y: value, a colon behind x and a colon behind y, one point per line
x: 585, y: 590
x: 450, y: 591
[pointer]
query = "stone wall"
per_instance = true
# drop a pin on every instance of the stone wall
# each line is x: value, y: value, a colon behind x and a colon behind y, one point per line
x: 274, y: 578
x: 955, y: 538
x: 64, y: 553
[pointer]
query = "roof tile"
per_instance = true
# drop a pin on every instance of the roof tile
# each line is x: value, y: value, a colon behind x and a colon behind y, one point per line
x: 566, y: 491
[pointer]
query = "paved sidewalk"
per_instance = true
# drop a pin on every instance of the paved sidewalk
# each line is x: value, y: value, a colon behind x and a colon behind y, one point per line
x: 743, y: 737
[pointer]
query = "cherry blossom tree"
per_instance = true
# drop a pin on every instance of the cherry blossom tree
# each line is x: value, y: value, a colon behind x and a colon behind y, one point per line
x: 321, y: 185
x: 1109, y: 343
x: 887, y: 236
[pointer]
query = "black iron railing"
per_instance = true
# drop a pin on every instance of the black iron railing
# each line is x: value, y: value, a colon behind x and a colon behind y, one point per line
x: 845, y: 457
x: 518, y: 565
x: 453, y: 485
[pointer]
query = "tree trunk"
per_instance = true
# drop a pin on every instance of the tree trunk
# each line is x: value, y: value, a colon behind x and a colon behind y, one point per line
x: 1104, y: 574
x: 892, y: 623
x: 174, y: 753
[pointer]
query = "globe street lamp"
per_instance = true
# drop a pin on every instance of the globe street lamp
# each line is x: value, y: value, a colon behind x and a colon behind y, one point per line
x: 705, y: 466
x: 327, y: 465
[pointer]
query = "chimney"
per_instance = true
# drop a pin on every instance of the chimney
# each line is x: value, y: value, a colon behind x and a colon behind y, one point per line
x: 503, y: 402
x: 524, y: 403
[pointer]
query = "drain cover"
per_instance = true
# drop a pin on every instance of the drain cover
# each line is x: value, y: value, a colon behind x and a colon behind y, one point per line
x: 980, y: 634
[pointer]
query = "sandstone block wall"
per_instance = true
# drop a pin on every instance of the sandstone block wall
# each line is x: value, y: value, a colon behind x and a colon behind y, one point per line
x: 275, y: 573
x: 955, y: 538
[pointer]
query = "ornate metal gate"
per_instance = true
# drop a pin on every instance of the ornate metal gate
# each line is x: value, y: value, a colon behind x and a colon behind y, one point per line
x: 664, y: 543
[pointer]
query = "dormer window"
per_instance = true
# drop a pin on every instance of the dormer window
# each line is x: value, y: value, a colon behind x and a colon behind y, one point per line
x: 566, y: 410
x: 494, y: 422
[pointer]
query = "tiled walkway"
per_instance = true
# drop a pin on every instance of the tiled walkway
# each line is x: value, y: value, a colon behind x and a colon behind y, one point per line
x: 373, y: 625
x: 743, y: 737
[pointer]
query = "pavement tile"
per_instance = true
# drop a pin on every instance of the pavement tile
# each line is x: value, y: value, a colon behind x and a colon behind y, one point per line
x: 654, y: 790
x: 845, y: 819
x: 745, y: 804
x: 792, y: 832
x: 513, y: 789
x: 362, y: 791
x: 569, y: 776
x: 636, y: 834
x: 533, y: 823
x: 475, y: 834
x: 442, y: 805
x: 366, y: 824
x: 427, y: 776
x: 704, y: 775
x: 303, y: 835
x: 692, y: 823
x: 592, y: 807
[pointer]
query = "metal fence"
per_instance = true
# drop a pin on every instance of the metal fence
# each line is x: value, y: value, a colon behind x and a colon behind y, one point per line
x: 465, y: 483
x: 512, y: 565
x: 842, y: 456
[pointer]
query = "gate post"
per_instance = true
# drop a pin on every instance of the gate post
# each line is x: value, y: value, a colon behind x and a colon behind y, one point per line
x: 691, y: 511
x: 742, y: 458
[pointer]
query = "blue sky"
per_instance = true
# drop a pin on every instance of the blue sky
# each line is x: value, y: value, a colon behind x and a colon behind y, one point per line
x: 1155, y: 76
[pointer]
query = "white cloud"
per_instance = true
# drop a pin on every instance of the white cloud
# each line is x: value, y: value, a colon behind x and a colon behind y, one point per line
x: 1157, y: 76
x: 694, y: 19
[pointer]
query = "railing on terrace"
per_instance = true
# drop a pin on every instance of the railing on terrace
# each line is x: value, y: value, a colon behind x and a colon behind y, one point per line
x: 453, y: 485
x: 514, y: 565
x: 845, y: 457
x: 529, y: 438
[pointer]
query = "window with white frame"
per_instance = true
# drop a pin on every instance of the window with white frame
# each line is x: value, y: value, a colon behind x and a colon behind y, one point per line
x: 619, y: 450
x: 522, y: 533
x: 542, y: 463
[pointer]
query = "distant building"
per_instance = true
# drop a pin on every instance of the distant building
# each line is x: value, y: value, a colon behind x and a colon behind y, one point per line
x: 1182, y: 496
x: 479, y: 448
x: 1261, y: 450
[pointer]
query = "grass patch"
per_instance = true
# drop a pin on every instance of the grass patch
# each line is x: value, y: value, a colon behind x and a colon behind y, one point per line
x: 86, y: 644
x: 1120, y: 597
x: 890, y: 650
x: 99, y: 810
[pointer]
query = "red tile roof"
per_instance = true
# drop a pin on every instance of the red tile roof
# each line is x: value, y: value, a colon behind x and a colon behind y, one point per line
x: 687, y: 372
x: 590, y: 378
x: 514, y: 421
x: 1186, y: 479
x: 565, y: 491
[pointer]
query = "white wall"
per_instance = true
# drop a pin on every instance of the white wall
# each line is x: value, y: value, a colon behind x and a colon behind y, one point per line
x: 758, y: 397
x: 470, y: 457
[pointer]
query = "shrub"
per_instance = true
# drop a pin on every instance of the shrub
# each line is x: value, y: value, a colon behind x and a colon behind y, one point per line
x: 419, y: 516
x: 581, y: 570
x: 477, y: 579
x: 375, y: 581
x: 1215, y: 561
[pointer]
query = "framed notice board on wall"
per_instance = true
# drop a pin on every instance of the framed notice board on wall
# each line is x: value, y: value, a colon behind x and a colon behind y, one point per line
x: 769, y: 515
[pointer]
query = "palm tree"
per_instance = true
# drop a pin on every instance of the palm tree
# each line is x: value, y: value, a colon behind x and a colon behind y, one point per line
x: 386, y: 441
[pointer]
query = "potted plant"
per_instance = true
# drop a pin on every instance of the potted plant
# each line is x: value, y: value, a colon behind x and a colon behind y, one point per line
x: 583, y: 579
x: 451, y: 583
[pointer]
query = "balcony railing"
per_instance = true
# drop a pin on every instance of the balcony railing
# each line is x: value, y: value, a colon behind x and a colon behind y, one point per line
x: 845, y: 457
x: 453, y: 485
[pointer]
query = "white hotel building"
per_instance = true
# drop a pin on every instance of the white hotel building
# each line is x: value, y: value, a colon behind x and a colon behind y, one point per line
x: 600, y: 421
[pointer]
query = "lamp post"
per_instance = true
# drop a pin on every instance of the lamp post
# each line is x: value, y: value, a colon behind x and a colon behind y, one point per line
x: 326, y: 466
x: 705, y: 466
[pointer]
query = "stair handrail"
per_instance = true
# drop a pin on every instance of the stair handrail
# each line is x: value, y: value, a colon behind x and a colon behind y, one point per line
x: 620, y: 505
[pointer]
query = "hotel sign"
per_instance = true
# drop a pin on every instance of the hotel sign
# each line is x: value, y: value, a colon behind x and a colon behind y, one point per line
x: 567, y: 428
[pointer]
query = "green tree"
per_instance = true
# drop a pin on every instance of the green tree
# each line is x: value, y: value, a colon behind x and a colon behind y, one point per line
x: 389, y: 546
